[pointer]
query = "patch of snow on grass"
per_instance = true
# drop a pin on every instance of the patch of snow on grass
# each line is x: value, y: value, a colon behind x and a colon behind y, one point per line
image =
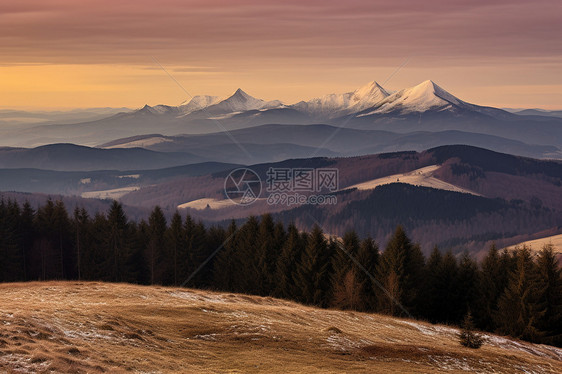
x: 534, y: 349
x: 186, y: 295
x: 431, y: 330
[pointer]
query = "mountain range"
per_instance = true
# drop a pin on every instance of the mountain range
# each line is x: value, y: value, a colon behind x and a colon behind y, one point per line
x: 450, y: 171
x: 413, y: 118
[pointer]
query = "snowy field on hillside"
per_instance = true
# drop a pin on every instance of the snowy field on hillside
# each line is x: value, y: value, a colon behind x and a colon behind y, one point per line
x: 419, y: 177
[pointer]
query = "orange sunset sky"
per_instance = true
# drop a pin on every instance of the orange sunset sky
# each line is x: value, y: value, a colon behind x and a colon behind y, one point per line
x: 81, y: 53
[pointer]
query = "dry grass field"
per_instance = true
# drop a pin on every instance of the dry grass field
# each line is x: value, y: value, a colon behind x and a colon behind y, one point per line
x: 419, y: 177
x: 537, y: 244
x: 99, y: 327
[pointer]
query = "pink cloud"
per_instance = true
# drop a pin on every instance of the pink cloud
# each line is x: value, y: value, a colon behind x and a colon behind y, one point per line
x: 193, y: 32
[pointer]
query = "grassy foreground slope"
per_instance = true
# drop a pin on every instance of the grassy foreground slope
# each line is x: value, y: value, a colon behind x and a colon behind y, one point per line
x: 101, y: 327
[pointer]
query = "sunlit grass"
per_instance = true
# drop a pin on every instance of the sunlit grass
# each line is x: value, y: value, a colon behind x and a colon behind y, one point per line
x: 97, y: 327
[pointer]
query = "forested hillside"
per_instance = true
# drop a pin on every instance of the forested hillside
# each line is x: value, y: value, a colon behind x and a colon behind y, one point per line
x: 511, y: 293
x: 458, y: 221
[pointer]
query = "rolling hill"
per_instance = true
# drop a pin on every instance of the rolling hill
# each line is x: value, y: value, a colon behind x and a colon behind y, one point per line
x: 78, y: 182
x: 321, y: 140
x: 457, y: 197
x: 510, y: 197
x: 101, y: 327
x: 70, y: 157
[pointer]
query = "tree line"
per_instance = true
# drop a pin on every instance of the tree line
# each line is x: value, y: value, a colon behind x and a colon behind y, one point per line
x: 517, y: 293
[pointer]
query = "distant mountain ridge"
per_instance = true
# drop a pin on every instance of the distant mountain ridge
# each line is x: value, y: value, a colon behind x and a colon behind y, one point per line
x: 421, y: 109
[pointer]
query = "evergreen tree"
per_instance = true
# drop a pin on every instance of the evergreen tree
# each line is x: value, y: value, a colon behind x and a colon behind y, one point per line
x: 467, y: 283
x: 156, y: 250
x: 81, y: 223
x: 116, y: 241
x: 368, y: 257
x: 215, y: 241
x: 46, y: 252
x: 401, y: 273
x: 185, y: 267
x: 432, y: 285
x: 549, y: 284
x: 176, y: 240
x: 285, y: 273
x: 225, y: 265
x: 97, y: 260
x: 345, y: 284
x: 247, y: 275
x: 137, y: 263
x: 448, y: 289
x: 27, y: 236
x: 468, y: 337
x: 63, y: 231
x: 199, y: 251
x: 313, y: 270
x: 11, y: 260
x: 267, y: 250
x: 492, y: 282
x: 519, y: 309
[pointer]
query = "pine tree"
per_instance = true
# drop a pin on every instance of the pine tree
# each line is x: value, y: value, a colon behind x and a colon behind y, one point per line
x: 46, y: 252
x: 467, y: 286
x: 247, y: 275
x: 27, y: 237
x: 368, y: 257
x: 137, y: 263
x: 345, y: 285
x: 225, y: 266
x: 63, y: 231
x: 175, y: 240
x: 519, y: 309
x: 116, y: 241
x: 285, y: 272
x: 199, y: 251
x: 156, y: 250
x: 11, y: 261
x: 313, y: 270
x: 97, y: 260
x: 491, y: 285
x: 468, y: 337
x: 549, y: 284
x: 267, y: 250
x: 81, y: 223
x: 215, y: 240
x: 448, y: 289
x: 279, y: 239
x: 401, y: 272
x: 432, y: 285
x: 185, y: 267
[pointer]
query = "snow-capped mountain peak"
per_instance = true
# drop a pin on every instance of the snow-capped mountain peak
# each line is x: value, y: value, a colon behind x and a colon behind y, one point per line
x: 240, y: 101
x: 367, y: 96
x: 370, y: 99
x: 423, y: 97
x: 199, y: 102
x: 243, y: 101
x: 334, y: 105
